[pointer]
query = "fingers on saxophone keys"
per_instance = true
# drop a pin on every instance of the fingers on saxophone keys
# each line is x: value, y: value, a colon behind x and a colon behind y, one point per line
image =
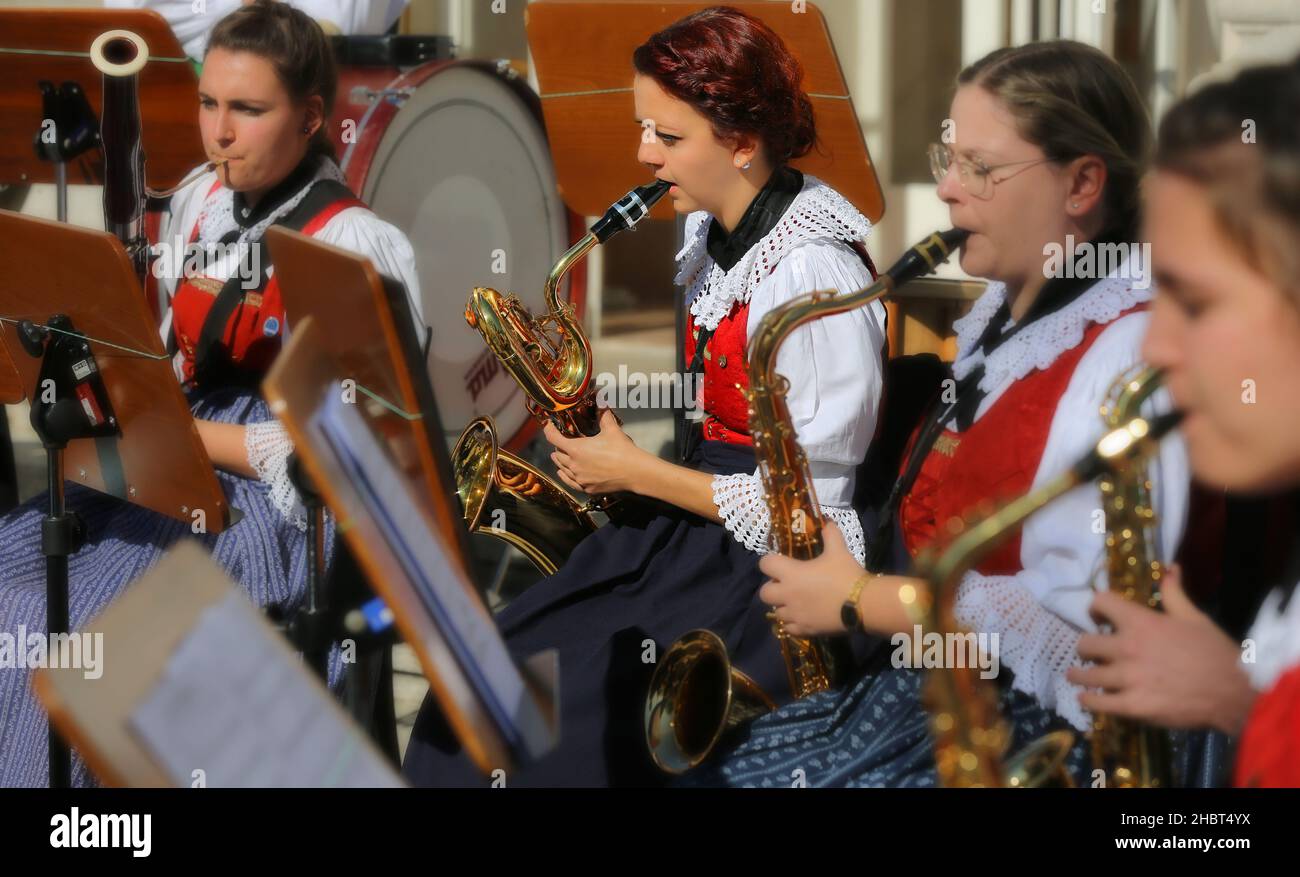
x: 1100, y: 647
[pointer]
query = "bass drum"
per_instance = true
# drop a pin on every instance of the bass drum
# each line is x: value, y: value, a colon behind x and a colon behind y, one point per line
x: 454, y: 154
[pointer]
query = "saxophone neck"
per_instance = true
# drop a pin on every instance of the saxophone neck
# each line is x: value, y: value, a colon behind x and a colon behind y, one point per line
x: 575, y: 253
x: 622, y: 215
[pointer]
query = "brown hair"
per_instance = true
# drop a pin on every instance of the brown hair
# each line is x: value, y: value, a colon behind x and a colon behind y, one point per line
x: 1253, y: 183
x: 1070, y: 100
x: 295, y: 45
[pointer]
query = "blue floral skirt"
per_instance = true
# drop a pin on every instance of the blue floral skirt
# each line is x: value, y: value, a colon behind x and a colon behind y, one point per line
x: 875, y: 733
x: 264, y: 552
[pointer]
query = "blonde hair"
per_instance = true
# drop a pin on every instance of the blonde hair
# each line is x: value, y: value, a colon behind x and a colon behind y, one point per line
x: 1070, y: 100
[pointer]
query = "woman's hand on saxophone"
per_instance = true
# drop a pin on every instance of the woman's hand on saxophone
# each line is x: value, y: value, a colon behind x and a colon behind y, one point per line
x: 598, y: 464
x: 1174, y: 668
x: 807, y: 594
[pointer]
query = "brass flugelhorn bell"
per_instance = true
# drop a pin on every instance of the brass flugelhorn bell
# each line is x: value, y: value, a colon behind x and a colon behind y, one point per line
x: 697, y: 701
x: 504, y: 496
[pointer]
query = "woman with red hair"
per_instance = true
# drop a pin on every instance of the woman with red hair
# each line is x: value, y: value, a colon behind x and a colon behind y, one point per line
x: 721, y: 114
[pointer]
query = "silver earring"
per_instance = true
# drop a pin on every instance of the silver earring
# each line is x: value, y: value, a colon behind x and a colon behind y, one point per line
x: 746, y: 165
x: 1074, y: 205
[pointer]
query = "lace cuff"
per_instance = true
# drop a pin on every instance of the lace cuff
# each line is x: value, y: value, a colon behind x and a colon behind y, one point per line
x: 1035, y: 644
x: 268, y: 447
x: 743, y: 507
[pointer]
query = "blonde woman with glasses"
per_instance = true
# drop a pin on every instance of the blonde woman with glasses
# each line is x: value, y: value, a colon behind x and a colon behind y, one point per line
x: 1050, y: 142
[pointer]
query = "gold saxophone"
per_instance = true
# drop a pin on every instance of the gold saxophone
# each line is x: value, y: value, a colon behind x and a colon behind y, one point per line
x: 1132, y: 754
x: 697, y: 696
x: 549, y: 356
x: 970, y: 735
x: 504, y: 496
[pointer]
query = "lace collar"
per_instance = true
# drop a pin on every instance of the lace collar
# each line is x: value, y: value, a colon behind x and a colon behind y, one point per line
x: 1039, y: 344
x: 1276, y: 633
x: 818, y: 213
x: 217, y: 219
x: 764, y: 212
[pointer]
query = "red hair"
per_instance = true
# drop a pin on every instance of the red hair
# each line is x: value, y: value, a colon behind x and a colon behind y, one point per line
x: 736, y: 72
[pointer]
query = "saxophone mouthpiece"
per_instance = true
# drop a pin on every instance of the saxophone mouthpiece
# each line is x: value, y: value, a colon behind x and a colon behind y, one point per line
x: 928, y: 255
x: 627, y: 211
x: 953, y: 238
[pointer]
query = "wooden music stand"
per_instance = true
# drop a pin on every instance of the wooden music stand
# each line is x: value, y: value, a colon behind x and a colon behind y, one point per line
x: 364, y: 322
x: 142, y: 630
x: 921, y: 314
x: 54, y: 45
x: 297, y: 387
x: 11, y: 384
x: 582, y: 53
x: 157, y: 459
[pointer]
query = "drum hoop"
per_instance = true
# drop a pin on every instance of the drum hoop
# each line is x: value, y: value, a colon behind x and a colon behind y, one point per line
x: 370, y: 133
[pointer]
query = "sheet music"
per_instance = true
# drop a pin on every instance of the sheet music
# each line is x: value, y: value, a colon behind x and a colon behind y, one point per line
x: 463, y: 621
x: 233, y: 705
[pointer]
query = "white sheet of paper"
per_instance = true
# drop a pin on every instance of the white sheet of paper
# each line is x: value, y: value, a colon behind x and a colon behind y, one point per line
x: 464, y: 622
x: 232, y: 704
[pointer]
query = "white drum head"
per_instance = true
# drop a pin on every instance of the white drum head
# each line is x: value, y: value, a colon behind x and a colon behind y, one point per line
x: 464, y: 170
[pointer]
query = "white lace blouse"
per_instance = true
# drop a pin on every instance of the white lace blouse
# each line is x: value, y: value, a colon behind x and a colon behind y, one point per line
x: 833, y: 364
x: 1040, y: 612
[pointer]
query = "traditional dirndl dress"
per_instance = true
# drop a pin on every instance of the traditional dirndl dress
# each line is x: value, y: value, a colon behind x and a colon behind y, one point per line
x: 266, y: 551
x: 634, y: 586
x: 1035, y: 413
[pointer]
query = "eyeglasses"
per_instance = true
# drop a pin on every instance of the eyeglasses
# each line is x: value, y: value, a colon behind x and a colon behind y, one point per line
x: 975, y: 176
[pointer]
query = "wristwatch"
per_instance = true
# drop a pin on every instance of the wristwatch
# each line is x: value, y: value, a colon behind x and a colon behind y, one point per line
x: 849, y: 615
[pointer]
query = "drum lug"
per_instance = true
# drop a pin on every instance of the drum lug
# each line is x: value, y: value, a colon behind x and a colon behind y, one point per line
x: 396, y: 96
x: 505, y: 69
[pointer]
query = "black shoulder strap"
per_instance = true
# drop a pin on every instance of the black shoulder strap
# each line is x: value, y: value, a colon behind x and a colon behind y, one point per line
x: 932, y: 427
x: 322, y: 194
